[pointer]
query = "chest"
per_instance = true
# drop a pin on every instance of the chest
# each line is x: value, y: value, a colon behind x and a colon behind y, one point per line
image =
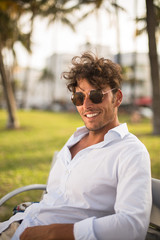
x: 91, y: 170
x: 77, y: 148
x: 82, y: 144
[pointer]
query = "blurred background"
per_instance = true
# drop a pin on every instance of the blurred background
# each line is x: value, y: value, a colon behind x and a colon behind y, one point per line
x: 38, y: 39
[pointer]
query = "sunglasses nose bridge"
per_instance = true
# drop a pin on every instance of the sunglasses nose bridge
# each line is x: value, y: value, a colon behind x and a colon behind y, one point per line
x: 86, y: 99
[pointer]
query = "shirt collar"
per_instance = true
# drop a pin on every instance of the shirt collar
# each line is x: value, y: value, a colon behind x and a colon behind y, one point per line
x: 112, y: 135
x: 80, y: 131
x: 121, y: 131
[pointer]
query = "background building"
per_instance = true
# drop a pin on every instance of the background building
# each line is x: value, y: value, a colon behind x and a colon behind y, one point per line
x: 50, y: 92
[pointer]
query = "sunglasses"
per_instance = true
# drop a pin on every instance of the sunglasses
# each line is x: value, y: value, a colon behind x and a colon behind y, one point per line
x: 96, y: 96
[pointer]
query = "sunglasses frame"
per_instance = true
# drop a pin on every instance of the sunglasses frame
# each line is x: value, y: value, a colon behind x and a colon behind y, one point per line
x: 89, y: 94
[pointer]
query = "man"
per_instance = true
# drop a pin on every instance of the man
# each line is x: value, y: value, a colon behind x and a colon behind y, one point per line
x: 100, y: 185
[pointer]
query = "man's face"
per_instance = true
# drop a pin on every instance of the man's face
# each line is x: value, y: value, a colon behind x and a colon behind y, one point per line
x: 98, y: 117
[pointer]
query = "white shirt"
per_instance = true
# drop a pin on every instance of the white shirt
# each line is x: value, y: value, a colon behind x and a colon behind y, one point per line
x: 105, y: 190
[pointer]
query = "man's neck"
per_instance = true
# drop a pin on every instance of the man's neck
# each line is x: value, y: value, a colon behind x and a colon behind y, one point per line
x: 96, y: 136
x: 93, y: 137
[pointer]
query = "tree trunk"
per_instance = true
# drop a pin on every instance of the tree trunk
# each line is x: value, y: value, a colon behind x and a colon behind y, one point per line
x: 151, y: 25
x: 23, y: 103
x: 10, y: 100
x: 118, y: 57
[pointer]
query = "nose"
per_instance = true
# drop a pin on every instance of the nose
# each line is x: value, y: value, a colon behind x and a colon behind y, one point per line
x: 87, y: 102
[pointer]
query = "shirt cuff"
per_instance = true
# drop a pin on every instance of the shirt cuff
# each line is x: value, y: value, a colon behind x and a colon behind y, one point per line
x: 83, y: 230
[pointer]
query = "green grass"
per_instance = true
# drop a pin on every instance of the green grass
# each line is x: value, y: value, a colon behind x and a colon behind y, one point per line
x: 25, y: 154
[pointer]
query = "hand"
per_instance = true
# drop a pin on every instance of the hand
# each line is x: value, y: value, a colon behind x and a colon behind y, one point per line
x: 49, y: 232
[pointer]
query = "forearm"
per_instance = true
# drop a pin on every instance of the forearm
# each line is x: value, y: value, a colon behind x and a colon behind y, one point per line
x: 49, y: 232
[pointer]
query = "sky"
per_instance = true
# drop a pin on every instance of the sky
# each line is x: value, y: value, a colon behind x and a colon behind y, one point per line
x: 56, y: 38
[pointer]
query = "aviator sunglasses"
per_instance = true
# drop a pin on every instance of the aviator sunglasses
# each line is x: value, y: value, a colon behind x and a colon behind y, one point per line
x: 96, y: 96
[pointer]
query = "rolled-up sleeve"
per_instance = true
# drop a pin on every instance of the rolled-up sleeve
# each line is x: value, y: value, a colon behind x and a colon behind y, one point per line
x: 83, y: 230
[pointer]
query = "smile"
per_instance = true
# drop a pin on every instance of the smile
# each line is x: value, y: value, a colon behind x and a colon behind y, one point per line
x: 90, y: 115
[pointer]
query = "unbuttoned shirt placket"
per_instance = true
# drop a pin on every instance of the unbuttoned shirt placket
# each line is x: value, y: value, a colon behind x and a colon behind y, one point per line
x: 69, y: 165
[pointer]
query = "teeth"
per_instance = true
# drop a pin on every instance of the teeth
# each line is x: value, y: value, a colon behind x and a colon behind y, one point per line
x: 92, y: 115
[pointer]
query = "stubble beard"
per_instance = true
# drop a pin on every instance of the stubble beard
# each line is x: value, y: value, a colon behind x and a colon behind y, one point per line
x: 99, y: 126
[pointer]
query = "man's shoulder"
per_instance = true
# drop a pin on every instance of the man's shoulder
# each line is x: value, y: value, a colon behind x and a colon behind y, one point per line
x: 132, y: 142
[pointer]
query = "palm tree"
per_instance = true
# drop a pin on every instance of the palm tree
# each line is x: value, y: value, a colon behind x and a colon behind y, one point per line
x: 153, y: 57
x: 110, y: 7
x: 10, y: 100
x: 152, y: 26
x: 9, y: 34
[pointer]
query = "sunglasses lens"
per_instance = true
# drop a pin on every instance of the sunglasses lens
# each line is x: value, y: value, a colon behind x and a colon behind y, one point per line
x: 78, y: 98
x: 96, y: 96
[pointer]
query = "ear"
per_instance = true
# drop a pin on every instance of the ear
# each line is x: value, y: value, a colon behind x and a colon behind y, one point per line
x: 118, y: 98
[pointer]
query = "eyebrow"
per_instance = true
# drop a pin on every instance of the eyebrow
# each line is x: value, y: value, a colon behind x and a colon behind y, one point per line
x: 81, y: 88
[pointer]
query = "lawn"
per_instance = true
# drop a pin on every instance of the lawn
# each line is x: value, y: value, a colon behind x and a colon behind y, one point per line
x: 25, y: 154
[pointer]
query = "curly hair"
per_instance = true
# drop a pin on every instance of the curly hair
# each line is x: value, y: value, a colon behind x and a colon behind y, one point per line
x: 99, y: 72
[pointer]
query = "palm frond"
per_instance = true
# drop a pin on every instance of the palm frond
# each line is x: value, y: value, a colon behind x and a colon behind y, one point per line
x: 46, y: 75
x: 140, y: 31
x: 24, y: 39
x: 67, y: 22
x: 115, y: 5
x: 84, y: 16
